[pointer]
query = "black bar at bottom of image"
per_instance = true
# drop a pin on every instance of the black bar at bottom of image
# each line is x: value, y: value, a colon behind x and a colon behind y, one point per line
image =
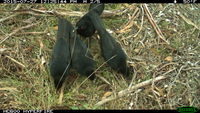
x: 92, y: 111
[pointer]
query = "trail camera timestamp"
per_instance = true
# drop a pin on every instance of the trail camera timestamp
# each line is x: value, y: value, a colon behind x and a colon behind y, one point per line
x: 19, y: 1
x: 50, y: 1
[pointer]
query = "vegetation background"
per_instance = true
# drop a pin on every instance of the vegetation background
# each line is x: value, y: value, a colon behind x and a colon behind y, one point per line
x: 28, y: 33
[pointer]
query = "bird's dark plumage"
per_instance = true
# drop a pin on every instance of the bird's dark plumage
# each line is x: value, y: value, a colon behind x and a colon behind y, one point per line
x: 84, y: 26
x: 82, y: 60
x: 69, y: 52
x: 110, y: 47
x: 60, y: 61
x: 98, y: 8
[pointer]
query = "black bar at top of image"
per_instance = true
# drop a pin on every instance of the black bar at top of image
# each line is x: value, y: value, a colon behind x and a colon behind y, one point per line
x: 130, y: 1
x: 98, y: 1
x: 124, y: 1
x: 137, y: 1
x: 120, y: 1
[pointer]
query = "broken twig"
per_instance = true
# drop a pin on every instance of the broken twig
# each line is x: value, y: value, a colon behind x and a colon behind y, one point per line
x: 131, y: 89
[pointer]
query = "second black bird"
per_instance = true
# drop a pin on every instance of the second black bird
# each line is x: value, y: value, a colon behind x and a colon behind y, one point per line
x: 110, y: 48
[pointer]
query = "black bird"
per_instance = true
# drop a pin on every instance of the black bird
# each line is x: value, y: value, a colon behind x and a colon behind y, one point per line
x: 84, y: 26
x: 69, y: 52
x: 60, y: 61
x: 110, y: 48
x: 82, y: 60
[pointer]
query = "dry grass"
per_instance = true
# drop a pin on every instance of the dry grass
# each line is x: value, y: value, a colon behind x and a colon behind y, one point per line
x: 24, y: 56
